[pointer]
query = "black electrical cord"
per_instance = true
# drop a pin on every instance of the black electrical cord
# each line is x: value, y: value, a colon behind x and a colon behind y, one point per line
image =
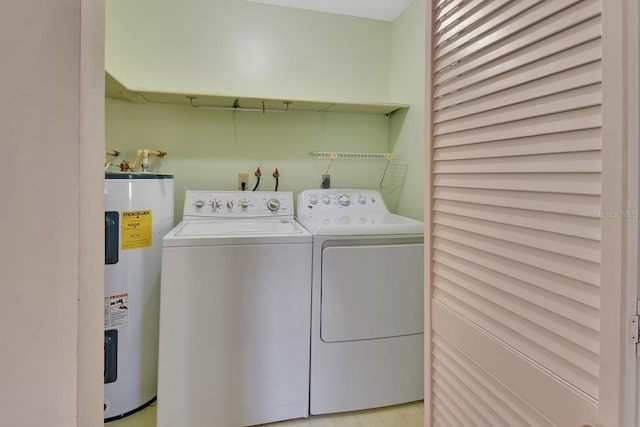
x: 258, y: 174
x: 276, y: 175
x: 244, y: 184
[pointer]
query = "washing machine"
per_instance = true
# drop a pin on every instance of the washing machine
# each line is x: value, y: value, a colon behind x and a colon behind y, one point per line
x: 235, y: 311
x: 367, y: 301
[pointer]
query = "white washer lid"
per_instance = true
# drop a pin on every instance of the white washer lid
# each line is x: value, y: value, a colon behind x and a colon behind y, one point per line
x: 203, y: 232
x: 361, y: 225
x: 216, y: 228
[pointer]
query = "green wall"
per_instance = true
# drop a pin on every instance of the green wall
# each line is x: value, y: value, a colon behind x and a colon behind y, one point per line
x: 242, y: 48
x: 207, y: 149
x: 408, y: 47
x: 204, y: 47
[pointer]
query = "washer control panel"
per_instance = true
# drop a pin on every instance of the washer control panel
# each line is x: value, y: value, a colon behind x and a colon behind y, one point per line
x: 339, y: 201
x: 238, y: 204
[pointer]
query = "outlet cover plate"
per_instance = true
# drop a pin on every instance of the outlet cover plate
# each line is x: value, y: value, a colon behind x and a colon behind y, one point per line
x: 243, y: 177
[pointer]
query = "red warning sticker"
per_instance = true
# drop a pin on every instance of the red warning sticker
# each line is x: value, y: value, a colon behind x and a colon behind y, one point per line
x: 116, y: 310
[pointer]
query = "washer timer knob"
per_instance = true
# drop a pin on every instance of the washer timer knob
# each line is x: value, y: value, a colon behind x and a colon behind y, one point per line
x: 244, y: 204
x: 344, y: 200
x: 326, y: 200
x: 313, y: 200
x: 273, y: 205
x: 199, y: 204
x: 362, y: 200
x: 215, y: 205
x: 229, y: 204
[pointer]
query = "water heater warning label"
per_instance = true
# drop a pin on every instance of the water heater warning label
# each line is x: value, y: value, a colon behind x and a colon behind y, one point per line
x: 116, y: 310
x: 135, y: 229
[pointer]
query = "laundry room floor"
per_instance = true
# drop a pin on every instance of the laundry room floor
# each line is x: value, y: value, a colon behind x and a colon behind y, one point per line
x: 407, y: 415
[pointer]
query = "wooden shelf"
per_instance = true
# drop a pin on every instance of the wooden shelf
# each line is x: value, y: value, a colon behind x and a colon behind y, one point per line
x: 115, y: 89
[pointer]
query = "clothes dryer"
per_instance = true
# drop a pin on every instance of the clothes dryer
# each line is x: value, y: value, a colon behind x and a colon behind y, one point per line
x: 234, y: 312
x: 367, y: 301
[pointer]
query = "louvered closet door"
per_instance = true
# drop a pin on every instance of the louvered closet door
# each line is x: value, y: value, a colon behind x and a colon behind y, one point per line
x: 516, y: 165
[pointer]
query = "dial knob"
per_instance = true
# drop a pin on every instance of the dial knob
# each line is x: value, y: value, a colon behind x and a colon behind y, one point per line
x: 326, y: 200
x: 313, y: 200
x: 244, y: 204
x: 344, y: 200
x: 215, y: 205
x: 273, y: 205
x: 199, y: 204
x: 229, y: 204
x: 362, y: 200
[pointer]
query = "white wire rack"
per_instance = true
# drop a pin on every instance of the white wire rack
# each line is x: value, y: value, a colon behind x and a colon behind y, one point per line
x: 347, y: 171
x: 334, y: 155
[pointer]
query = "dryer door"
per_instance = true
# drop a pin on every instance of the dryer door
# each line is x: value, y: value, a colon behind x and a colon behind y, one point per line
x: 371, y: 291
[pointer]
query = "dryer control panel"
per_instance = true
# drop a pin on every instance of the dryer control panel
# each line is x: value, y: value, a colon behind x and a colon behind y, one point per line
x: 238, y: 204
x: 340, y: 201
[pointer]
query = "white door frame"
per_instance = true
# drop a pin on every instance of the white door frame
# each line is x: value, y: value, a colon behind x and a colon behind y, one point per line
x: 620, y: 163
x: 632, y: 65
x: 631, y: 408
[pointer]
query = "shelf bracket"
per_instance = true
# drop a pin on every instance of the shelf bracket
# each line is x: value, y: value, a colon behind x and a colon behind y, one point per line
x: 236, y: 106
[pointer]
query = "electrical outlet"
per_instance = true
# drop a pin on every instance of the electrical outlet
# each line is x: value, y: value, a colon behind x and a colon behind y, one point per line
x: 243, y: 177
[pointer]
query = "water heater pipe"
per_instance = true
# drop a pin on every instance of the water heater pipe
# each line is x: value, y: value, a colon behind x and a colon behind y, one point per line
x: 133, y: 163
x: 113, y: 153
x: 144, y: 154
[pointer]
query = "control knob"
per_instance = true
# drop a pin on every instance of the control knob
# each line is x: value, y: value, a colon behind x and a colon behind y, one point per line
x: 344, y: 200
x: 273, y: 205
x: 199, y: 204
x: 362, y: 200
x: 244, y: 204
x: 313, y: 200
x: 326, y: 200
x: 229, y: 204
x: 215, y: 205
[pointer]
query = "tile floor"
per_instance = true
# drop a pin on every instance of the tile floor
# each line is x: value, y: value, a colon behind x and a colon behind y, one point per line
x: 407, y: 415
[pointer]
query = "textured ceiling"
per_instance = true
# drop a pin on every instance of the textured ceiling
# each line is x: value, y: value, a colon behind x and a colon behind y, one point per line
x: 384, y: 10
